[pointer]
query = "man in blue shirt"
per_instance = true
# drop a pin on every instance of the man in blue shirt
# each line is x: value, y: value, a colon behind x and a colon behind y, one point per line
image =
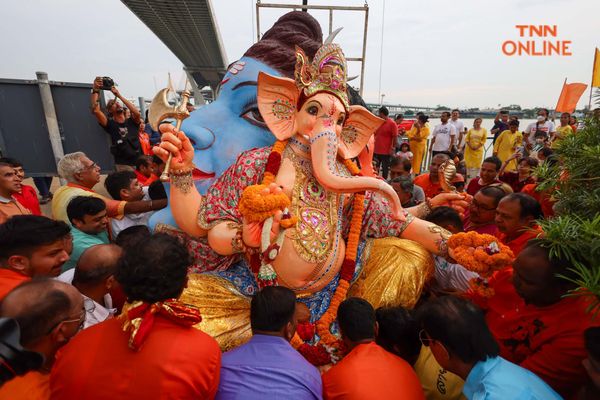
x: 88, y: 217
x: 456, y: 332
x: 268, y: 367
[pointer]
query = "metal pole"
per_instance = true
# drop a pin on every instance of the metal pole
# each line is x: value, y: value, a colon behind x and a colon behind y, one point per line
x: 50, y: 115
x: 258, y: 20
x: 381, y: 51
x: 330, y: 21
x: 364, y: 51
x: 142, y: 104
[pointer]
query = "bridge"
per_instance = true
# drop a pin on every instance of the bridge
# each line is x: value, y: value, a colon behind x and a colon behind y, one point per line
x: 189, y: 29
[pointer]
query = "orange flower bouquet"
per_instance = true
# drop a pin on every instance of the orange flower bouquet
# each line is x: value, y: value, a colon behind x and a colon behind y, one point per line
x: 479, y: 253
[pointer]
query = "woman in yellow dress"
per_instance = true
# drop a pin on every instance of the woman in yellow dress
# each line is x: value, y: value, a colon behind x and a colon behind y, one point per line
x: 475, y: 142
x: 417, y: 136
x: 507, y: 144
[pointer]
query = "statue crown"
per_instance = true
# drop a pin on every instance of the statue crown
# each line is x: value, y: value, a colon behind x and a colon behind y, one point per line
x: 326, y: 73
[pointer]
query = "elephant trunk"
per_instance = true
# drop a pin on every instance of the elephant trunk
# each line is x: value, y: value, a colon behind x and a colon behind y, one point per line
x: 324, y: 149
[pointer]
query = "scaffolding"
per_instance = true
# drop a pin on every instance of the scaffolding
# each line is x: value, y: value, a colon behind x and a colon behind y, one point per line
x: 331, y: 9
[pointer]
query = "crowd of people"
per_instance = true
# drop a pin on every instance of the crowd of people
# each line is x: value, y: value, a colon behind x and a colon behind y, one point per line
x: 82, y: 282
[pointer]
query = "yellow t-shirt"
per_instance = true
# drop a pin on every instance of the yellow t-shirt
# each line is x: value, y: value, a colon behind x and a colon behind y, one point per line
x: 561, y: 133
x: 506, y: 145
x: 438, y: 383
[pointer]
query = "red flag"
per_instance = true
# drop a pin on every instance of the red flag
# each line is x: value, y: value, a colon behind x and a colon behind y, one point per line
x: 569, y: 96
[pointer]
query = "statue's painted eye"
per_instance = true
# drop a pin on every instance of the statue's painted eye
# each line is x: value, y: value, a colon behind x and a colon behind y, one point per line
x: 341, y: 120
x: 252, y: 115
x: 312, y: 110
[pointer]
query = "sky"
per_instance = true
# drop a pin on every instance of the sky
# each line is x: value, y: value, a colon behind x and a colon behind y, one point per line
x: 434, y: 52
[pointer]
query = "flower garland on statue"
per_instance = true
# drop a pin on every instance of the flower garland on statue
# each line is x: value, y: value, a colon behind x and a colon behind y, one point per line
x: 257, y: 207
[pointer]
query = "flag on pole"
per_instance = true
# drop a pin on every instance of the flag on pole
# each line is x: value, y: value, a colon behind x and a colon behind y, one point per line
x: 569, y: 96
x: 596, y: 71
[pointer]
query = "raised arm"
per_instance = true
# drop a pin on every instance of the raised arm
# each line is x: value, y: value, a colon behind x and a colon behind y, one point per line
x: 95, y: 103
x: 135, y: 113
x: 185, y: 198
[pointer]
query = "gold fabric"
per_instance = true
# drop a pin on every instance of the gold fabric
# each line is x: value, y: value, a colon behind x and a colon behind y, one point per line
x: 394, y: 273
x: 225, y: 311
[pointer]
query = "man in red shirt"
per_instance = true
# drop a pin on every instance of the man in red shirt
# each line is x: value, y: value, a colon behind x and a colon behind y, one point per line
x: 385, y: 142
x: 31, y: 246
x: 515, y: 218
x: 430, y: 183
x: 27, y: 196
x: 481, y: 216
x: 368, y: 371
x: 152, y: 351
x: 544, y: 333
x: 488, y: 175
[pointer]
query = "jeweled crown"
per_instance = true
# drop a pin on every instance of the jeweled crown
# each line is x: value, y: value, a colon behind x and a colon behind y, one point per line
x: 326, y: 73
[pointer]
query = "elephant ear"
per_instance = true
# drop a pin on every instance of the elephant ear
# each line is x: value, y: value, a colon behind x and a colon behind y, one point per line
x: 277, y: 98
x: 357, y: 130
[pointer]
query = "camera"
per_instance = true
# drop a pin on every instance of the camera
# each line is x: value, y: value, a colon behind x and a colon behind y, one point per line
x: 107, y: 83
x: 14, y: 360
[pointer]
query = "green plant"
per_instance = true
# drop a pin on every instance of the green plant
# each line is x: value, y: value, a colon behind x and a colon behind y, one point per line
x: 574, y: 234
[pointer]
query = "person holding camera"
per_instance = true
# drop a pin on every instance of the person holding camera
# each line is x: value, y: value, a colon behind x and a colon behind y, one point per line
x: 123, y: 130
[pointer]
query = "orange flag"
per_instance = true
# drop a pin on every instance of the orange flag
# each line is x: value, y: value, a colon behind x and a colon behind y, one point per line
x: 569, y: 96
x: 596, y: 72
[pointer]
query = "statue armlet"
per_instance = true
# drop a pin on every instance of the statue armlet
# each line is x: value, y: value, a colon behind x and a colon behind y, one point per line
x: 201, y: 218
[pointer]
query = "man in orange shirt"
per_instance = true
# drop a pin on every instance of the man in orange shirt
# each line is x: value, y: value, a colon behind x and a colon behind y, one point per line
x: 367, y: 371
x: 27, y: 196
x: 49, y: 313
x: 430, y: 183
x: 31, y: 246
x: 152, y: 350
x: 545, y: 332
x: 515, y: 218
x: 10, y: 184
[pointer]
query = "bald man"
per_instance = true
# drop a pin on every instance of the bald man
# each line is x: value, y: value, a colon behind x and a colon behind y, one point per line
x: 94, y: 278
x: 49, y: 314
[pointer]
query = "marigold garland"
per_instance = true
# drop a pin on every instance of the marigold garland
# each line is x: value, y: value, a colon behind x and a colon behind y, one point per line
x: 471, y: 250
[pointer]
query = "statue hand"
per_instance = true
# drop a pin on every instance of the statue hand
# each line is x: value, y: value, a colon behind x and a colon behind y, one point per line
x: 252, y: 231
x: 458, y: 201
x: 176, y: 143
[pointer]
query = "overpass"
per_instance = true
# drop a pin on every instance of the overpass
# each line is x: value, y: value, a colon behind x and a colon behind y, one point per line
x: 189, y: 29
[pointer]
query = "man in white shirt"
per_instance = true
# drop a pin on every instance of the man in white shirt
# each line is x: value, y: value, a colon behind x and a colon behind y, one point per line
x: 443, y: 136
x: 542, y: 125
x: 124, y: 185
x: 459, y: 128
x: 94, y: 278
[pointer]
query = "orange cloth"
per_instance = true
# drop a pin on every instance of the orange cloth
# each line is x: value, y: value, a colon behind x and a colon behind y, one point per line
x: 9, y: 280
x: 29, y: 199
x: 10, y: 209
x: 543, y: 198
x: 175, y: 362
x: 546, y: 340
x: 370, y: 372
x: 143, y: 180
x: 517, y: 244
x: 33, y: 385
x: 431, y: 189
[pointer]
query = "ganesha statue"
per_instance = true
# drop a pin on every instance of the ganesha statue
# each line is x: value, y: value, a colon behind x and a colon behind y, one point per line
x: 299, y: 213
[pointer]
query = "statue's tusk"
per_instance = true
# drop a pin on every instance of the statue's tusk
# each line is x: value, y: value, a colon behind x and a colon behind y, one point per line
x: 332, y: 36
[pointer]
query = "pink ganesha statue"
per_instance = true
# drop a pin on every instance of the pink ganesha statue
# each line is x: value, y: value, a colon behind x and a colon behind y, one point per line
x: 301, y: 214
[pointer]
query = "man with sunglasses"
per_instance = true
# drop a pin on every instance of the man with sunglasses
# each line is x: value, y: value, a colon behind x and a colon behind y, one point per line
x: 456, y: 332
x: 49, y: 314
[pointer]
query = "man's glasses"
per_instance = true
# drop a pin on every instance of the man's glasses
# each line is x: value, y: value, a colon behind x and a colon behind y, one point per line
x: 91, y: 167
x: 80, y: 320
x: 424, y: 339
x: 475, y: 204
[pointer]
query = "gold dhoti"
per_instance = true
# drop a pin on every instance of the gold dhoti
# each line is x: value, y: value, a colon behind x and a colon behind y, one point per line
x: 393, y: 275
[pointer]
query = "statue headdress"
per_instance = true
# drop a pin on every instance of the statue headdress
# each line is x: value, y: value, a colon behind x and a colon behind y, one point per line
x: 326, y: 73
